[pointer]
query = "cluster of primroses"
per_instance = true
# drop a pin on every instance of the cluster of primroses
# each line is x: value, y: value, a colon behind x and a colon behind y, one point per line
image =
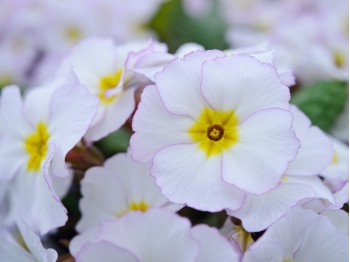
x: 213, y: 131
x: 36, y: 34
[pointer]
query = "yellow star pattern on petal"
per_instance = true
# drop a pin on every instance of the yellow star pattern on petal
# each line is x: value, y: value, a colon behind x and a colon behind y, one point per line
x: 36, y: 145
x: 215, y: 131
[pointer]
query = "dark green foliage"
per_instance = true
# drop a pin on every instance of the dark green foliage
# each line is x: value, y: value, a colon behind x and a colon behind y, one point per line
x: 322, y: 102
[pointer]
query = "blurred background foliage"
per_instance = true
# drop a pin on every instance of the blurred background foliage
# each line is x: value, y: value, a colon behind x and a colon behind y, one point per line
x: 174, y: 27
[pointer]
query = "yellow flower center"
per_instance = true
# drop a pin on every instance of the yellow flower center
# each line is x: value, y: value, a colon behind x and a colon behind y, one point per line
x: 335, y: 158
x: 215, y: 131
x: 36, y: 146
x: 243, y: 236
x: 73, y: 34
x: 339, y: 59
x: 139, y: 206
x: 107, y: 83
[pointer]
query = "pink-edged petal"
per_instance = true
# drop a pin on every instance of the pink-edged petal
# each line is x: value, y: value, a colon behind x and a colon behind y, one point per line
x: 339, y: 218
x: 266, y: 251
x: 179, y: 83
x: 323, y: 243
x: 12, y: 109
x: 103, y: 197
x: 77, y: 242
x: 286, y: 77
x: 213, y: 246
x: 316, y: 184
x: 188, y: 48
x: 61, y: 185
x: 104, y: 251
x: 155, y: 127
x: 242, y: 83
x: 260, y: 211
x: 34, y: 245
x: 187, y: 176
x: 315, y: 151
x: 266, y: 143
x: 72, y: 109
x: 171, y: 237
x: 115, y: 116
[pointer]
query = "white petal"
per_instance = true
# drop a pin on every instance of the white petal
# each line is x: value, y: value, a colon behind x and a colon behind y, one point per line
x: 315, y: 152
x: 212, y: 246
x: 261, y: 211
x: 10, y: 250
x: 155, y: 127
x: 34, y: 244
x: 36, y: 204
x: 106, y: 252
x: 179, y: 83
x: 264, y: 251
x: 12, y: 155
x: 115, y: 115
x: 103, y: 197
x: 187, y: 176
x: 77, y: 242
x: 72, y: 109
x: 12, y: 109
x: 339, y: 218
x: 323, y: 243
x: 266, y: 143
x: 171, y: 238
x: 314, y: 182
x: 242, y: 83
x: 136, y: 180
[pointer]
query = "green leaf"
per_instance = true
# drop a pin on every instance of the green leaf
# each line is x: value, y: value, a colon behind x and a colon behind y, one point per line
x: 322, y: 102
x: 175, y: 27
x: 115, y: 142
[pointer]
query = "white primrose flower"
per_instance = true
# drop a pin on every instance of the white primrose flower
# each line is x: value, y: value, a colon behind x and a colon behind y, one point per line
x: 120, y: 186
x: 38, y: 133
x: 172, y: 239
x: 301, y: 235
x: 23, y: 245
x: 300, y: 182
x: 106, y: 70
x: 215, y: 127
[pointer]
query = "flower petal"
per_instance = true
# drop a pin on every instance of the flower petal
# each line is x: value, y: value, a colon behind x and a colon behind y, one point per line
x: 212, y: 246
x: 179, y: 83
x: 186, y: 176
x: 260, y: 211
x: 266, y: 143
x: 104, y: 251
x: 155, y: 127
x: 242, y: 83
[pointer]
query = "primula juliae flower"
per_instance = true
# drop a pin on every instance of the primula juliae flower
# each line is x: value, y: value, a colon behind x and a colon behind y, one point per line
x: 173, y: 239
x: 216, y: 127
x: 38, y: 133
x: 301, y: 235
x: 120, y: 186
x: 106, y: 70
x: 300, y: 182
